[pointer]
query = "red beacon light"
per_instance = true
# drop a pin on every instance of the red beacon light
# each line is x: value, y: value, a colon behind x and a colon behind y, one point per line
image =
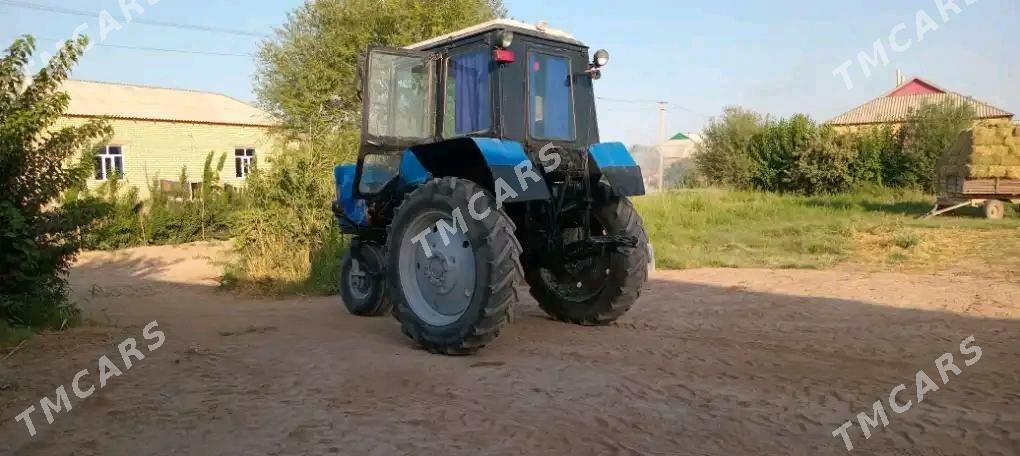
x: 505, y: 56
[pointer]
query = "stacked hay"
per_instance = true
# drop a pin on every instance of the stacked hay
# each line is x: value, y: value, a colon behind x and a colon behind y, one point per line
x: 987, y: 151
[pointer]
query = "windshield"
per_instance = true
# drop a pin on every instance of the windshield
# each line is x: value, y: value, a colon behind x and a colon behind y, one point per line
x: 399, y: 93
x: 552, y: 101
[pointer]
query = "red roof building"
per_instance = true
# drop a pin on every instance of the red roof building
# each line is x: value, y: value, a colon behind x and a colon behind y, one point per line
x: 896, y: 105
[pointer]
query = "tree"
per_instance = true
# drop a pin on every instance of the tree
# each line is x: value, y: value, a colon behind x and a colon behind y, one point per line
x: 724, y: 158
x: 926, y: 134
x: 39, y: 162
x: 308, y: 74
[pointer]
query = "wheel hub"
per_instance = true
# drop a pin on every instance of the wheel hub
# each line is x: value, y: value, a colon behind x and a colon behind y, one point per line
x: 437, y: 274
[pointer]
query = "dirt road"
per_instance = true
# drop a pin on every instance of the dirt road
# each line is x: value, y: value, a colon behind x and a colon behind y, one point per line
x: 710, y: 362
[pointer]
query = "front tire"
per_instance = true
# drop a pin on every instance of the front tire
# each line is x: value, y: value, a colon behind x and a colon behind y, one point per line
x: 599, y: 293
x: 454, y: 296
x: 362, y: 282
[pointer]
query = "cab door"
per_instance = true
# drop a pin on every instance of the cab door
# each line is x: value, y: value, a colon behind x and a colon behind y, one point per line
x: 399, y: 95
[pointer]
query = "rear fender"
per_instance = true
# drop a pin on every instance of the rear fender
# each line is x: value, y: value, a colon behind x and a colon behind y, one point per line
x: 488, y: 162
x: 618, y: 168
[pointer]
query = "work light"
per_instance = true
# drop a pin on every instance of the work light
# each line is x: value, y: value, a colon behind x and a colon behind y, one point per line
x: 601, y: 58
x: 506, y: 38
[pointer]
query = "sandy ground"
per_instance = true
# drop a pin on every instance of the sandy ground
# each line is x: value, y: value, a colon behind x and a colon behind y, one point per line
x: 710, y: 362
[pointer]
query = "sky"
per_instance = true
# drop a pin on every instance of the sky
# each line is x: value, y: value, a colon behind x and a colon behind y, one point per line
x: 776, y: 57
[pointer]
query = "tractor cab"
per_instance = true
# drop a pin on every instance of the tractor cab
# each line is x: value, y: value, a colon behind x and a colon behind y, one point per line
x: 481, y: 170
x: 503, y: 79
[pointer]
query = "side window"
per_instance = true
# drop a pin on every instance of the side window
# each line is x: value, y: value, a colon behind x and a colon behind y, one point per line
x: 468, y: 94
x: 400, y: 97
x: 550, y: 87
x: 109, y: 162
x: 244, y: 162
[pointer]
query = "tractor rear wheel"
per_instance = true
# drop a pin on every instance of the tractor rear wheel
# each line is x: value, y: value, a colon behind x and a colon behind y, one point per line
x: 598, y: 290
x: 453, y: 263
x: 362, y: 283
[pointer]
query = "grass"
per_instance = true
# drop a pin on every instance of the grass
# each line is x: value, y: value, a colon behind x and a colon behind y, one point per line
x: 877, y: 228
x: 11, y: 337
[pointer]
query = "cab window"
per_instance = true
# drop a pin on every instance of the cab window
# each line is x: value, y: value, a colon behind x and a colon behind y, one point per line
x: 551, y: 104
x: 468, y: 94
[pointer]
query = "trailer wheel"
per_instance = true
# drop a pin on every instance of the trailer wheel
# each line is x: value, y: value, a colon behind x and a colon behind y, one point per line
x: 994, y: 210
x: 452, y: 287
x: 362, y: 283
x: 605, y: 287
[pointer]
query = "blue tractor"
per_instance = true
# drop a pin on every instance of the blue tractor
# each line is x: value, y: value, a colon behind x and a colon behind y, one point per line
x: 481, y: 170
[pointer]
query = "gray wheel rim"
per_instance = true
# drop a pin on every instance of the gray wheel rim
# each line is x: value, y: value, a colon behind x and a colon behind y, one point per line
x: 438, y: 287
x: 361, y: 287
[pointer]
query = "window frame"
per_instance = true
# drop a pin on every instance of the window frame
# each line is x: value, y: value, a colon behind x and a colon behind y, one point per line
x: 365, y: 71
x: 551, y: 52
x: 249, y: 159
x: 461, y: 49
x: 104, y: 155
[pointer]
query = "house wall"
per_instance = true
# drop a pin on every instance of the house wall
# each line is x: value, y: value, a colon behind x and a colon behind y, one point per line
x: 159, y: 150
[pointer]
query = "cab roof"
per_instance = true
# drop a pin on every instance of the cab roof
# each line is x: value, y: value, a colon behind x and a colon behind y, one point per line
x: 541, y: 31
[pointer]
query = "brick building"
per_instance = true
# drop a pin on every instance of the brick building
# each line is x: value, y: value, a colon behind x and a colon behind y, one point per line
x: 159, y: 131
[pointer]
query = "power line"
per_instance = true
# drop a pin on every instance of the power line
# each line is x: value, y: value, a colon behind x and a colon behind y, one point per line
x: 91, y: 14
x: 649, y: 101
x: 152, y: 49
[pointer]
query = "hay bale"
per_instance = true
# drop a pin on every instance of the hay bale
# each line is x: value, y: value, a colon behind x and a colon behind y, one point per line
x: 986, y: 136
x: 1013, y: 172
x: 1016, y: 132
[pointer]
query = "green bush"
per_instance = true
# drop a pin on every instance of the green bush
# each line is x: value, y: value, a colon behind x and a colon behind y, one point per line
x: 166, y: 218
x: 927, y: 133
x: 724, y: 157
x: 286, y: 236
x: 38, y: 162
x: 744, y: 150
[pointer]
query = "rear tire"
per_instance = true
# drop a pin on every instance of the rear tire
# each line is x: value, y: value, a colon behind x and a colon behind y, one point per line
x: 994, y: 210
x: 457, y: 300
x: 625, y: 274
x: 362, y: 283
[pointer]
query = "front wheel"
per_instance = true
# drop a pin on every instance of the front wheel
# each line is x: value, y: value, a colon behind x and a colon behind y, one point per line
x: 362, y: 282
x: 600, y: 289
x: 453, y: 263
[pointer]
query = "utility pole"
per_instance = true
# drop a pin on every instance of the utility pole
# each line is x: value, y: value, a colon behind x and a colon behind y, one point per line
x: 662, y: 142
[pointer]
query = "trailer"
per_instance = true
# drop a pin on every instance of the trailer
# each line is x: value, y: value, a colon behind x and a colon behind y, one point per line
x: 990, y: 194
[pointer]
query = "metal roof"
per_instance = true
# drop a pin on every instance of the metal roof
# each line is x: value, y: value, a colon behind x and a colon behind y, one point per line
x: 891, y: 109
x: 125, y: 101
x: 540, y: 30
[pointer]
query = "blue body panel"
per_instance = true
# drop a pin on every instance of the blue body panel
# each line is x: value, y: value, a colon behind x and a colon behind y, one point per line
x: 611, y: 154
x: 354, y: 209
x: 412, y: 173
x: 618, y: 168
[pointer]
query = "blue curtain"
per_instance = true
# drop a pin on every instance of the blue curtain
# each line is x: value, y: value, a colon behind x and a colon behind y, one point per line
x: 473, y: 97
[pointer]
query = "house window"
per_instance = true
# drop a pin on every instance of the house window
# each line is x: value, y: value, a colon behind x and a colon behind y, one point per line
x: 552, y: 98
x: 109, y: 163
x: 244, y: 162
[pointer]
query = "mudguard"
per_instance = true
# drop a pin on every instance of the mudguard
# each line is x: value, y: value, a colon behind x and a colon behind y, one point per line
x: 508, y: 170
x: 618, y: 168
